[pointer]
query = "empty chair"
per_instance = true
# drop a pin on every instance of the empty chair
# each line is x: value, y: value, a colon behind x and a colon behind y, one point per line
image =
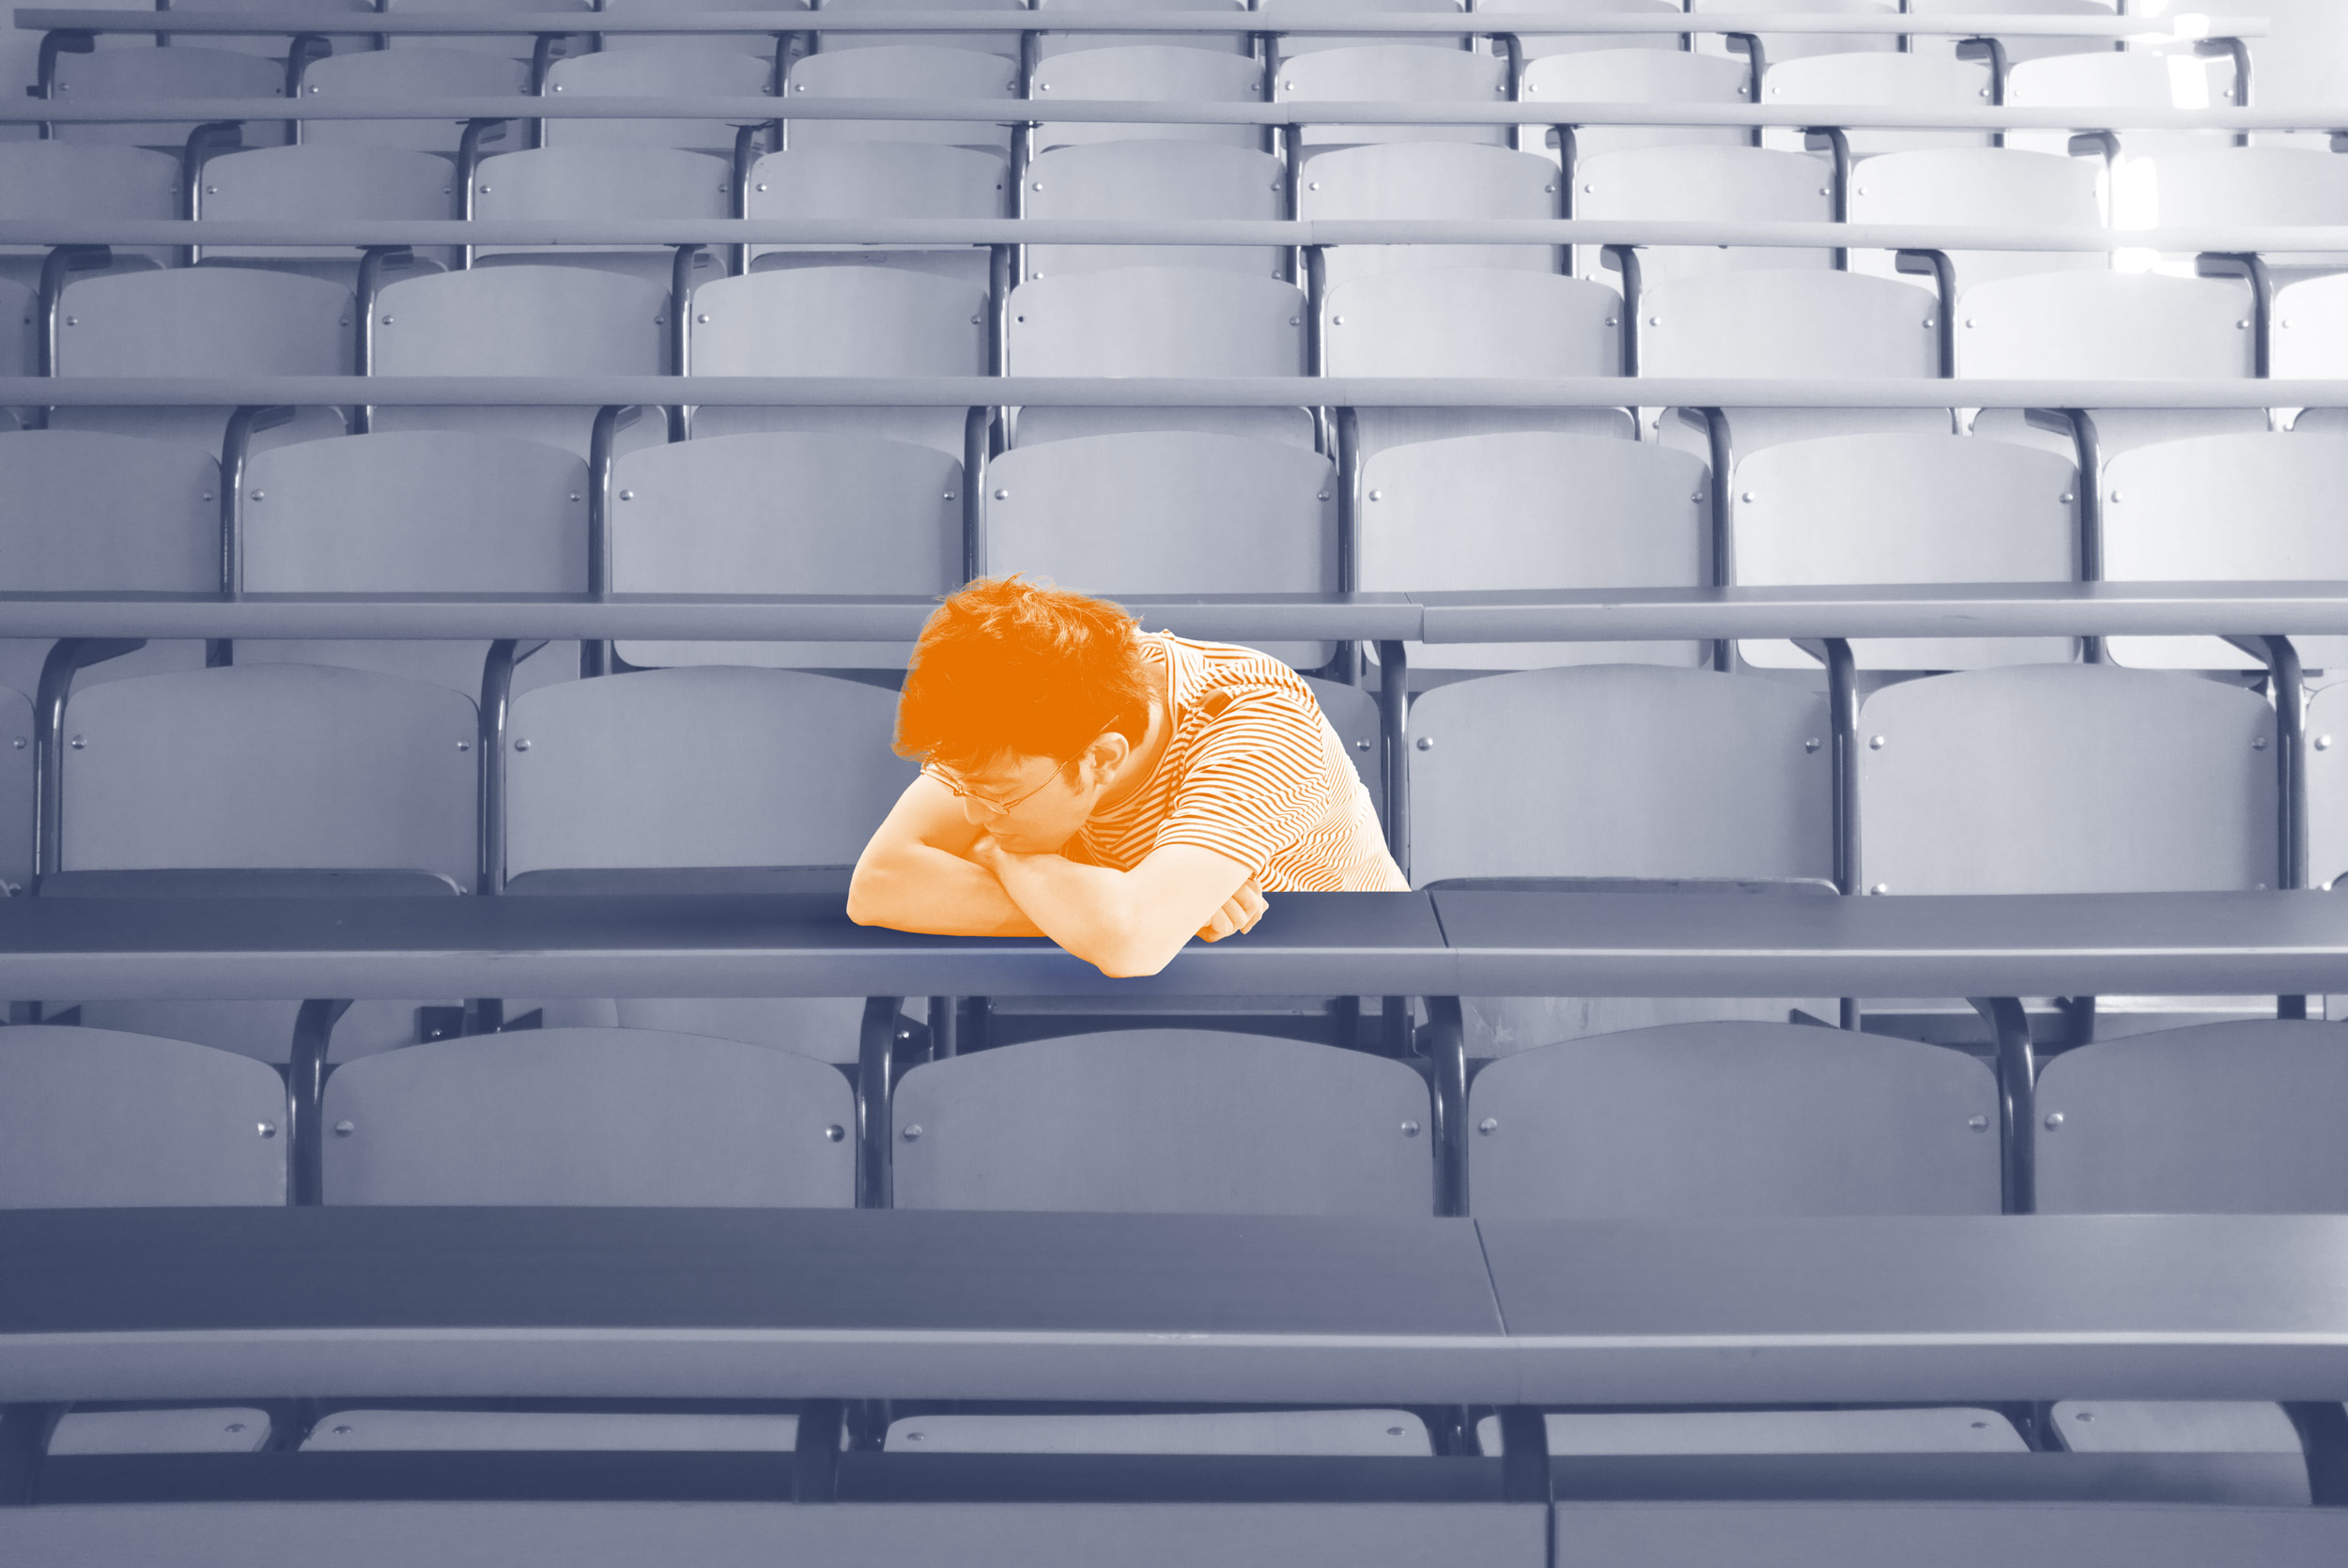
x: 2140, y: 782
x: 1005, y: 44
x: 1877, y: 78
x: 1167, y: 512
x: 714, y: 68
x: 612, y: 1117
x: 1706, y: 184
x: 867, y: 180
x: 269, y: 46
x: 748, y: 43
x: 1992, y: 187
x: 1176, y: 321
x: 1433, y: 180
x: 134, y: 75
x: 2109, y: 79
x: 2105, y: 326
x: 1750, y: 1119
x: 1638, y: 75
x: 700, y: 779
x: 585, y: 182
x: 92, y: 1118
x: 1794, y: 46
x: 1164, y: 1120
x: 2227, y: 507
x: 2017, y: 48
x: 1153, y: 180
x: 515, y: 46
x: 1539, y: 46
x: 1114, y: 67
x: 1671, y: 775
x: 902, y: 69
x: 1051, y: 45
x: 201, y: 321
x: 1904, y: 507
x: 2224, y: 1118
x: 840, y: 321
x: 517, y: 320
x: 72, y: 182
x: 1415, y: 73
x: 322, y: 183
x: 1790, y: 323
x: 1534, y: 509
x: 2264, y: 186
x: 785, y: 513
x: 415, y: 512
x: 1288, y: 46
x: 448, y: 71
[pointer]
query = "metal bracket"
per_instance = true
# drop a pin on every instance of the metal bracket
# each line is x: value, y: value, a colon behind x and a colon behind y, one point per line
x: 2017, y: 1099
x: 305, y: 1082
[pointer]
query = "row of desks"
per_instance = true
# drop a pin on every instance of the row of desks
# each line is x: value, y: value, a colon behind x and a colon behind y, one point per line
x: 1477, y: 943
x: 791, y: 1303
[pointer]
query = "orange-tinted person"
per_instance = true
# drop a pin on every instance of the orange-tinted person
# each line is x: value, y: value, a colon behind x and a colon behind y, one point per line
x: 1117, y: 791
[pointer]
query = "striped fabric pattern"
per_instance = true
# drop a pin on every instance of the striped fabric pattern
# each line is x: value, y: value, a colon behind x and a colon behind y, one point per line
x: 1253, y: 771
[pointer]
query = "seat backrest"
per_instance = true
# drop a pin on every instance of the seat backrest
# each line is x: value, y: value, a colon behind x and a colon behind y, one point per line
x: 2223, y: 187
x: 878, y: 180
x: 1165, y: 1120
x: 598, y: 179
x: 710, y: 67
x: 1121, y: 67
x: 1794, y: 46
x: 638, y: 10
x: 1538, y: 46
x: 2105, y: 326
x: 1428, y: 179
x: 713, y: 766
x: 1293, y: 45
x: 91, y: 1119
x: 503, y: 45
x: 1472, y: 321
x: 77, y: 180
x: 1790, y: 323
x: 1706, y: 184
x: 620, y: 1118
x: 330, y: 181
x: 1417, y: 70
x: 1635, y: 70
x: 1155, y: 180
x: 1904, y: 507
x: 270, y: 765
x: 420, y: 67
x: 521, y: 320
x: 189, y: 68
x: 1004, y: 44
x: 2221, y: 1118
x: 1988, y: 186
x: 763, y: 514
x: 416, y: 512
x: 1620, y: 771
x: 204, y: 321
x: 839, y: 321
x: 1733, y: 1119
x: 82, y: 511
x: 2095, y: 75
x: 2328, y: 786
x: 1167, y: 512
x: 1532, y: 510
x: 891, y: 64
x: 16, y: 788
x: 2066, y: 778
x: 1877, y: 77
x: 2225, y: 508
x: 1156, y: 321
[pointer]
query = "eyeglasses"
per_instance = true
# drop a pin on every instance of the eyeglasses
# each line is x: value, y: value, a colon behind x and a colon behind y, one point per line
x: 1000, y: 808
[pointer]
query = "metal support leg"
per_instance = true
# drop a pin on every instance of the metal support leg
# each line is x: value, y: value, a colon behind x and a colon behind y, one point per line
x: 875, y: 1060
x: 1447, y: 1054
x: 815, y: 1454
x: 306, y: 1078
x: 2016, y: 1098
x: 1524, y: 1475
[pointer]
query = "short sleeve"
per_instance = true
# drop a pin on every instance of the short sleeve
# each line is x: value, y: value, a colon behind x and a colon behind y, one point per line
x: 1257, y: 781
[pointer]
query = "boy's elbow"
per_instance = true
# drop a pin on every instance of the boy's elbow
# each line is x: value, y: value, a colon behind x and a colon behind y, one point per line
x: 1133, y: 956
x: 866, y: 891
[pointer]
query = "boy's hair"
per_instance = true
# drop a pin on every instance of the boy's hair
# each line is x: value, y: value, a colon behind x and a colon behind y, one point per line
x: 1009, y: 666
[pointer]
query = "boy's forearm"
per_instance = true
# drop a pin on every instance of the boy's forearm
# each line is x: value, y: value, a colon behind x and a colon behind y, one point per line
x: 929, y: 890
x: 1081, y: 907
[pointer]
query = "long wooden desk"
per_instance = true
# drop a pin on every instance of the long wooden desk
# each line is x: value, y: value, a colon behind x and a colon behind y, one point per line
x: 1682, y: 944
x: 778, y: 1303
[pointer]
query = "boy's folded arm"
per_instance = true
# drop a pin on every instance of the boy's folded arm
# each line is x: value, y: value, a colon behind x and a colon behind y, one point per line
x: 918, y: 887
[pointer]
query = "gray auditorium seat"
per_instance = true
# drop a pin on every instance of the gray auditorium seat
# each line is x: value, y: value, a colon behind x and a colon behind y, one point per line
x: 81, y: 181
x: 900, y: 65
x: 705, y: 67
x: 191, y: 69
x: 1460, y: 180
x: 875, y: 180
x: 411, y: 67
x: 1416, y: 71
x: 324, y: 184
x: 582, y: 181
x: 1153, y: 181
x: 1167, y: 512
x: 596, y: 1117
x: 1192, y: 69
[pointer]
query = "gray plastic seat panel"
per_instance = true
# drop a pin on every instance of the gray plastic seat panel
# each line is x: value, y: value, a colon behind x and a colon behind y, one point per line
x: 2229, y: 1118
x: 588, y: 180
x: 789, y: 10
x: 1001, y: 44
x: 1782, y: 323
x: 1367, y: 1434
x: 1302, y: 44
x: 1988, y: 186
x: 92, y: 1118
x: 262, y: 1030
x: 516, y: 46
x: 1428, y: 179
x: 1875, y: 77
x: 1471, y: 321
x: 707, y: 766
x: 1669, y: 772
x: 90, y: 512
x: 2309, y: 316
x: 188, y: 69
x: 846, y: 320
x: 1709, y: 184
x: 2105, y: 326
x: 1793, y: 46
x: 1533, y: 511
x: 1156, y: 321
x: 1895, y: 507
x: 896, y: 66
x: 410, y: 68
x: 1636, y: 70
x: 204, y: 321
x: 1421, y: 70
x: 323, y: 182
x: 2225, y: 508
x: 877, y: 179
x: 2097, y: 77
x: 597, y: 1116
x: 1192, y: 69
x: 1539, y: 47
x: 785, y: 513
x: 1153, y: 180
x: 270, y: 765
x: 1167, y: 512
x: 707, y: 66
x: 76, y: 181
x: 418, y: 511
x: 1733, y: 1119
x: 1165, y: 1120
x: 2066, y: 778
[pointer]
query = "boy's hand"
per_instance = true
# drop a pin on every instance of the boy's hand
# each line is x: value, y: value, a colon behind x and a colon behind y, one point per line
x: 1239, y: 914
